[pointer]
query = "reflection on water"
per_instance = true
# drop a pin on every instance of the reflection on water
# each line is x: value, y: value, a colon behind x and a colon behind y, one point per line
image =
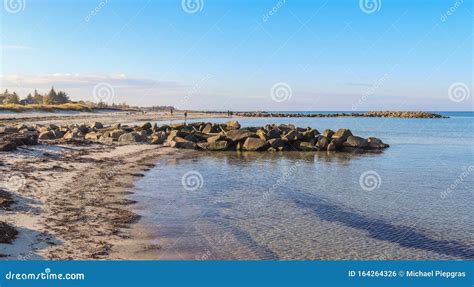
x: 308, y: 206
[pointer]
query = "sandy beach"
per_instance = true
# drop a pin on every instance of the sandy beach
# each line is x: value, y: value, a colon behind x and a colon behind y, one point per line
x: 71, y: 201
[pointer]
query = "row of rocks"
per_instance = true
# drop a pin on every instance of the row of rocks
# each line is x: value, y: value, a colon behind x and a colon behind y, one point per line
x: 375, y: 114
x: 201, y: 136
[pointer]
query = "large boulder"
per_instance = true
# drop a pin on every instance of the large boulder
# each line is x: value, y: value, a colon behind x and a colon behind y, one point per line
x: 132, y: 137
x: 322, y: 143
x: 254, y: 144
x: 215, y: 138
x: 277, y: 144
x: 262, y: 135
x: 328, y: 133
x: 8, y: 130
x: 375, y: 143
x: 115, y: 134
x: 341, y: 135
x: 218, y: 145
x: 8, y: 145
x: 158, y: 138
x: 307, y: 146
x: 238, y: 135
x: 74, y: 134
x: 146, y: 126
x: 274, y: 133
x: 232, y: 125
x: 179, y: 142
x: 356, y: 142
x: 93, y: 136
x: 47, y: 135
x: 210, y: 128
x: 96, y: 125
x: 332, y: 146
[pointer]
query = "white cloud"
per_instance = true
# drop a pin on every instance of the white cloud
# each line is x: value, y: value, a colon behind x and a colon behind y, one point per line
x: 15, y: 47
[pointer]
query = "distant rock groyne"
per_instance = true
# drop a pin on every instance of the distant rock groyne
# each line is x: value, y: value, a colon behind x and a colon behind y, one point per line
x: 374, y: 114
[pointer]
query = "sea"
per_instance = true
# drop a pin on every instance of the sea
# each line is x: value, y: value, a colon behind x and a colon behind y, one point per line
x: 413, y: 200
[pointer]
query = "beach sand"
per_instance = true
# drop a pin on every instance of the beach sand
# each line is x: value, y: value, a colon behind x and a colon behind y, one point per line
x: 73, y: 200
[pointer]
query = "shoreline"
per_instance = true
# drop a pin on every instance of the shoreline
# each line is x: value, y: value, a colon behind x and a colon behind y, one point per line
x: 74, y: 202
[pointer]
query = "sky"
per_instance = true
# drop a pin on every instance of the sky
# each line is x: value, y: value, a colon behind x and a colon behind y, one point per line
x: 285, y: 55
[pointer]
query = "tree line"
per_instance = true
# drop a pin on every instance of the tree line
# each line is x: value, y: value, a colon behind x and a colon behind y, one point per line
x: 53, y: 97
x: 50, y: 98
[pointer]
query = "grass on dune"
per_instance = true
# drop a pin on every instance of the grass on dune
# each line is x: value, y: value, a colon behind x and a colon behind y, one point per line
x: 47, y: 108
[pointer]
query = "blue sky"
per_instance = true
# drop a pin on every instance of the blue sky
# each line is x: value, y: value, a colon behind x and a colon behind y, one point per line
x: 324, y: 55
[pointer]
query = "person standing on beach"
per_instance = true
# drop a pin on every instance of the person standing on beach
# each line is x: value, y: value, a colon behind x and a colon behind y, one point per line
x: 185, y: 116
x: 171, y: 110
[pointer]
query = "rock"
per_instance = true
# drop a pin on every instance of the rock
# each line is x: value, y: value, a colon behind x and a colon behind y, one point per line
x: 217, y: 146
x: 132, y: 137
x: 179, y: 142
x: 341, y: 135
x: 116, y: 126
x: 356, y: 142
x: 210, y: 128
x: 254, y: 144
x: 238, y: 135
x: 322, y: 143
x: 191, y: 138
x: 8, y: 130
x: 74, y: 134
x: 8, y: 145
x: 115, y: 134
x: 7, y: 233
x: 291, y: 135
x: 332, y: 146
x: 232, y: 125
x: 307, y: 146
x: 92, y: 136
x: 96, y: 125
x: 274, y: 133
x: 375, y: 143
x: 146, y: 126
x: 158, y: 138
x: 262, y: 135
x: 310, y: 134
x: 214, y: 138
x: 48, y: 135
x: 277, y: 144
x: 328, y: 133
x: 28, y: 137
x: 106, y: 140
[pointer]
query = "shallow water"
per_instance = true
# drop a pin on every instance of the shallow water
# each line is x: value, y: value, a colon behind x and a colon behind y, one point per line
x: 412, y: 201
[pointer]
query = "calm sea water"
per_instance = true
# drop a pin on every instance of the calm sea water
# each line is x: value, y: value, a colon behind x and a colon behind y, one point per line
x: 412, y: 201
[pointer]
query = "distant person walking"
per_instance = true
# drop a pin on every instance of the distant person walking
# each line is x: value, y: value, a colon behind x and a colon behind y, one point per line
x: 171, y: 110
x: 185, y: 117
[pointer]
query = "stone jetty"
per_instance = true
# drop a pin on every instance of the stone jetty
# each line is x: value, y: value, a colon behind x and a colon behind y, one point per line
x: 374, y: 114
x: 229, y: 136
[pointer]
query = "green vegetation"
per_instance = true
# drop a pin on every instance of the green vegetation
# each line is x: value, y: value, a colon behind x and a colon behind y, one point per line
x: 51, y: 101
